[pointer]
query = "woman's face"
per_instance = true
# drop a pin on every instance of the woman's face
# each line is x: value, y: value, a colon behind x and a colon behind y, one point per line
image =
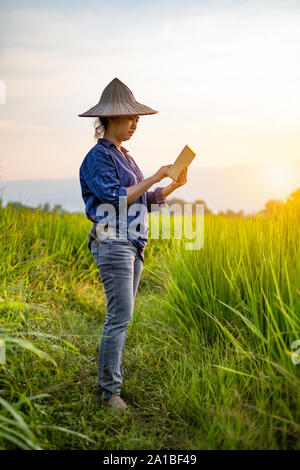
x: 124, y: 126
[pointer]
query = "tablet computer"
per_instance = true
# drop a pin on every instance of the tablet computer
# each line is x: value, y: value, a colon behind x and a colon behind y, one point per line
x: 184, y: 158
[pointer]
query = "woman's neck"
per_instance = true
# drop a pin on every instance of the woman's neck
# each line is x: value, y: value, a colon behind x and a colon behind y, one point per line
x: 113, y: 139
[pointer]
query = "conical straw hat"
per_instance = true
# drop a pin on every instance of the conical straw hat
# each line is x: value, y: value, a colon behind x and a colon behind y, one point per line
x: 117, y: 100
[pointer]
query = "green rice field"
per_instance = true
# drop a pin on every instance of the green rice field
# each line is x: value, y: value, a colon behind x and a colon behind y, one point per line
x: 209, y: 360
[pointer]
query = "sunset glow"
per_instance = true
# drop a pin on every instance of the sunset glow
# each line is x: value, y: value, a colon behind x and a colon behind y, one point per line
x: 279, y: 176
x: 223, y: 76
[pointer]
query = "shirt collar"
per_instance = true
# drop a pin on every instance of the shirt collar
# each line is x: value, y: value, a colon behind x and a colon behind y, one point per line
x: 109, y: 143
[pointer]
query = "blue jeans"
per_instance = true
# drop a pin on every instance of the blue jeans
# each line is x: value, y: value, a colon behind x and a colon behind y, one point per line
x: 120, y: 268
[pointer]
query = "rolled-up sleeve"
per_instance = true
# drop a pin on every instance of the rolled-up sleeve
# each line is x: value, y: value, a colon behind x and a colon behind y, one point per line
x: 103, y: 179
x: 155, y: 197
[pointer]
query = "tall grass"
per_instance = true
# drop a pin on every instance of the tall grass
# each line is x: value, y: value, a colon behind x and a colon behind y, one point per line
x: 238, y: 298
x: 208, y: 355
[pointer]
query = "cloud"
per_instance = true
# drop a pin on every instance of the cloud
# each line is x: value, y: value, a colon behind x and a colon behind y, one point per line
x: 211, y: 69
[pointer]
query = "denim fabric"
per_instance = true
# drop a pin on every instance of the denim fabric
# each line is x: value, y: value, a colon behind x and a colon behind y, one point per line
x: 104, y: 176
x: 120, y: 269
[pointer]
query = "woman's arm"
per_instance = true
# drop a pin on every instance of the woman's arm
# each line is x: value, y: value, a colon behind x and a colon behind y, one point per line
x: 135, y: 191
x: 99, y: 172
x: 182, y: 179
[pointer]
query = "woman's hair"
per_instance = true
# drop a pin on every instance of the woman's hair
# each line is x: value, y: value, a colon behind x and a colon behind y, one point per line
x: 101, y: 125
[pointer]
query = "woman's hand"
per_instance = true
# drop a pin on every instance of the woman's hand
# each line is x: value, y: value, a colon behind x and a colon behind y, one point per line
x: 162, y: 173
x: 182, y: 179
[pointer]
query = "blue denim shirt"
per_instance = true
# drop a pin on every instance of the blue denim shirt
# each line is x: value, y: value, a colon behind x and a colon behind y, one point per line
x: 104, y: 175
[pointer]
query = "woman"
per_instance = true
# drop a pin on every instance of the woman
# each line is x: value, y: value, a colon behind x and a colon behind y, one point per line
x: 107, y: 174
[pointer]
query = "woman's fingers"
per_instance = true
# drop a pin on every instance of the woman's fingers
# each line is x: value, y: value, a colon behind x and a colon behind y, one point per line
x: 182, y: 179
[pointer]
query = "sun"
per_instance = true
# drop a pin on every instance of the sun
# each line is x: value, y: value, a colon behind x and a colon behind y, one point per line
x: 279, y: 175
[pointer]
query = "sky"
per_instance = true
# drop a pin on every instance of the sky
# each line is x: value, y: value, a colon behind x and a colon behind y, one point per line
x: 224, y: 76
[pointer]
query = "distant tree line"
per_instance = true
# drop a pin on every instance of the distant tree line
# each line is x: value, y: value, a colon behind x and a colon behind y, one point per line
x: 181, y: 202
x: 293, y: 201
x: 57, y: 209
